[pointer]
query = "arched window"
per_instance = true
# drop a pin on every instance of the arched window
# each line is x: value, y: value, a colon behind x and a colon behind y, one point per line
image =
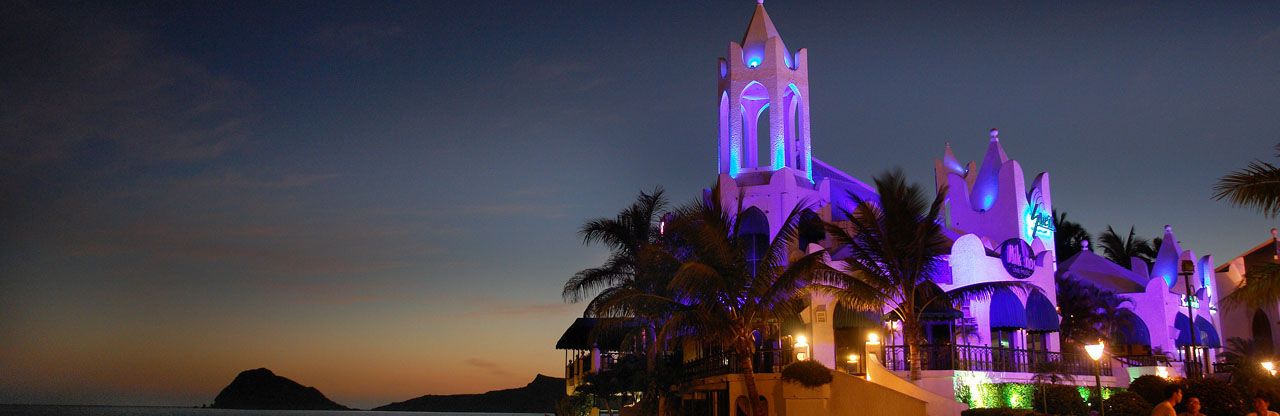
x: 754, y: 233
x: 755, y: 125
x: 811, y: 230
x: 1262, y: 332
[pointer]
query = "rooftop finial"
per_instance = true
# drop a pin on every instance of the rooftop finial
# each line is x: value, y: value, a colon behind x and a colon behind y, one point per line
x: 1168, y: 228
x: 759, y: 1
x: 1084, y: 244
x: 995, y: 134
x: 1274, y: 232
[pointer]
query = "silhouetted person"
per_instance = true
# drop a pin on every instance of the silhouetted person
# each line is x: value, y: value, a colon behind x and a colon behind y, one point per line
x: 1261, y: 404
x: 1172, y: 395
x: 1193, y: 407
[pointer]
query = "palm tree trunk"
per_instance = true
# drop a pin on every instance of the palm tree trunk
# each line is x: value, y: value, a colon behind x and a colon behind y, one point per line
x: 912, y: 334
x: 749, y: 379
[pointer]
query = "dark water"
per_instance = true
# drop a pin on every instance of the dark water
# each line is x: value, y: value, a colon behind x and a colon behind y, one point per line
x: 39, y: 410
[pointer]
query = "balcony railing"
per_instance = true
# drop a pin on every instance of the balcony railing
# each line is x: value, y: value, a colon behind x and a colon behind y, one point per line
x: 978, y: 358
x: 765, y: 361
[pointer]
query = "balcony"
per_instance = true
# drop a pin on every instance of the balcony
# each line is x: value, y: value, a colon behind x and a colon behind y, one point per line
x: 978, y: 358
x: 765, y: 362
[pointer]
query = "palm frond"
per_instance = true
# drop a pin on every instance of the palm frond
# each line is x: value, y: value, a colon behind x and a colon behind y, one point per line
x: 1256, y: 186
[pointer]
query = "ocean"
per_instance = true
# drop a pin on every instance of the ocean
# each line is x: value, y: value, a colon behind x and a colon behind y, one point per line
x: 50, y: 410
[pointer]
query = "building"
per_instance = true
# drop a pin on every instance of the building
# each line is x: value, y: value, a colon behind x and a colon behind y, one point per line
x: 1001, y: 229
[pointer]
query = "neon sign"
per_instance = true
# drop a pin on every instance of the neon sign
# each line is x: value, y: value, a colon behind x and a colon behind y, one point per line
x: 1038, y: 220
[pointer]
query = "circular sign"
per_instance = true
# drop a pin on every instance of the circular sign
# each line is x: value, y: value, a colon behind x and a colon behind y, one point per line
x: 1017, y: 258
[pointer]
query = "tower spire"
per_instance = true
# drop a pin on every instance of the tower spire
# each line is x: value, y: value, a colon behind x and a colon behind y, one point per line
x: 758, y: 33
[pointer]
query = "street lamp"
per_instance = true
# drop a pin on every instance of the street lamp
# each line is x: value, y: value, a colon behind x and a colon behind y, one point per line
x: 852, y: 364
x: 1095, y: 352
x: 1188, y: 268
x: 1270, y: 367
x: 801, y: 343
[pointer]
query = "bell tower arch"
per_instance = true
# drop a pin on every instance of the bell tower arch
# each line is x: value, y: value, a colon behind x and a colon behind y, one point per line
x: 762, y: 80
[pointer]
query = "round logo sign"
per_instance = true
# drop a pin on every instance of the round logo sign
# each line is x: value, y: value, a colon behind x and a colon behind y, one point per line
x: 1017, y: 258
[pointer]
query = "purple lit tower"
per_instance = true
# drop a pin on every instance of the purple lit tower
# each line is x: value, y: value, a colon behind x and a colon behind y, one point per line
x: 761, y: 75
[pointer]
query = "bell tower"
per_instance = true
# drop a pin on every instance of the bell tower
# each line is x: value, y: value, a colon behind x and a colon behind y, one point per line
x: 761, y: 75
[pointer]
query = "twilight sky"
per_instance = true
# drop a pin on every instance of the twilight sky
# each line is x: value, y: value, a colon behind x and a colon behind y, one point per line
x: 381, y: 200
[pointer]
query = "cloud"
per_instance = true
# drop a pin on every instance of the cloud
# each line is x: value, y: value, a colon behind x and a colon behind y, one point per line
x: 488, y: 366
x: 72, y: 80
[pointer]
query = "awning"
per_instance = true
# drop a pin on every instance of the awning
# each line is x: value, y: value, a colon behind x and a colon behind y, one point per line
x: 1132, y: 330
x: 1041, y: 315
x: 604, y: 333
x: 1206, y: 334
x: 1007, y: 311
x: 849, y: 318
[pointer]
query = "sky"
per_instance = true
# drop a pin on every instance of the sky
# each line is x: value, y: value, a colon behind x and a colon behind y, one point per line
x: 381, y: 200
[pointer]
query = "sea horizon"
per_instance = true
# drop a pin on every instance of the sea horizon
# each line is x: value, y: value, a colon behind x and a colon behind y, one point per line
x: 126, y: 410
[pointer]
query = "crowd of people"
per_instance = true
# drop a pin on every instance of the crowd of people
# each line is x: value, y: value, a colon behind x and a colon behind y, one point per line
x: 1173, y: 395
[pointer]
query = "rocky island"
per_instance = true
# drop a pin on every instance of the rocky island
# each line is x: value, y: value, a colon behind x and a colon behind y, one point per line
x: 262, y: 389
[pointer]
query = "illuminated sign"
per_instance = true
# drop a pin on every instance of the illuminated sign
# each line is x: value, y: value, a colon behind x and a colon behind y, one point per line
x: 1017, y: 257
x: 1038, y: 219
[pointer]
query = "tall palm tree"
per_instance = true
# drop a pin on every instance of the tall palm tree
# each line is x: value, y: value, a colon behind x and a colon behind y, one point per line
x: 894, y: 247
x: 1121, y: 251
x: 1067, y: 237
x: 633, y: 267
x: 722, y: 298
x: 1256, y: 186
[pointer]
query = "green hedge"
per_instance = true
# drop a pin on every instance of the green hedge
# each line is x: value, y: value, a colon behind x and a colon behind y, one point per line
x: 808, y: 373
x: 999, y: 411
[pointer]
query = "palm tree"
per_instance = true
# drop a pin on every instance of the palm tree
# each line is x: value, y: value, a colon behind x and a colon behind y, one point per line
x: 1256, y: 186
x: 633, y: 267
x: 1261, y: 286
x: 895, y: 246
x: 1067, y: 237
x: 1121, y: 251
x: 1049, y: 372
x: 719, y: 296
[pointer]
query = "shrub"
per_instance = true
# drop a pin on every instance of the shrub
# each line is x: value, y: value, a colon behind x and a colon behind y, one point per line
x: 1127, y: 403
x: 998, y: 411
x: 1217, y: 398
x: 1062, y: 400
x: 1150, y: 387
x: 809, y: 373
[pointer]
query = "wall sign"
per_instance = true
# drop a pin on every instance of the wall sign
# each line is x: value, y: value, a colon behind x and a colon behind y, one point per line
x: 1038, y: 219
x: 1017, y: 258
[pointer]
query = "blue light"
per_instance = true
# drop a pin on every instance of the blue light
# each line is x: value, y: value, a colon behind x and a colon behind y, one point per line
x: 754, y: 62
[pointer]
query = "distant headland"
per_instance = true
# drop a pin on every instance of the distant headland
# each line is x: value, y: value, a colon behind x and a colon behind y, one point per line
x: 262, y: 389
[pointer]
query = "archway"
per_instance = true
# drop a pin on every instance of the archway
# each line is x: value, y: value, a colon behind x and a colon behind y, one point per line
x: 753, y: 230
x: 1262, y: 333
x: 755, y: 105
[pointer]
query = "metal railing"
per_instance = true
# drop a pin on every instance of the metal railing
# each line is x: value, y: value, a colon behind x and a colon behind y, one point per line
x: 979, y: 358
x: 765, y: 361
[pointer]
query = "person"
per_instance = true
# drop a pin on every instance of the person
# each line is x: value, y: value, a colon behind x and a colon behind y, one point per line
x: 1193, y: 407
x: 1261, y: 405
x: 1172, y: 395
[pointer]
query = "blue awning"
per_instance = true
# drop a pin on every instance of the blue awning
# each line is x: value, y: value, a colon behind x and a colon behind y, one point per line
x: 1132, y: 330
x: 1041, y: 315
x: 1007, y: 310
x: 1206, y: 334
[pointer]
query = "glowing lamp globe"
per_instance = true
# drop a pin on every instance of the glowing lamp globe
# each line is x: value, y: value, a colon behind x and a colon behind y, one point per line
x: 872, y: 338
x: 801, y: 342
x: 1270, y: 367
x: 1095, y: 351
x: 853, y: 358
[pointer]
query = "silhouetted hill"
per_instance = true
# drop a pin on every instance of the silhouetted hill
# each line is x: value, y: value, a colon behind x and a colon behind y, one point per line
x: 262, y: 389
x: 539, y: 396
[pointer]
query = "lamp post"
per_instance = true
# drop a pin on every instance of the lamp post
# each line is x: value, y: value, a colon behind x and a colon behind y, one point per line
x: 801, y: 343
x: 873, y: 348
x: 1188, y: 268
x: 852, y: 364
x: 1095, y: 352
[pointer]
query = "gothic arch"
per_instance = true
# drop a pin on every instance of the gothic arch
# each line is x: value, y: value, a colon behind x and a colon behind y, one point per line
x: 754, y: 104
x: 1262, y: 332
x: 753, y: 230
